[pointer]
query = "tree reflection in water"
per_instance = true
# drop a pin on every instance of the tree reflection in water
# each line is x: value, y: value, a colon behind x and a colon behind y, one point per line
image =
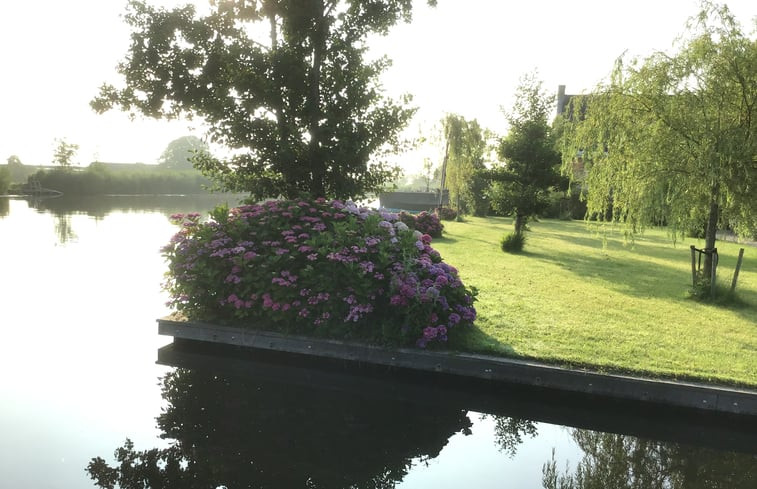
x: 618, y: 462
x: 64, y: 231
x: 244, y: 433
x: 509, y: 433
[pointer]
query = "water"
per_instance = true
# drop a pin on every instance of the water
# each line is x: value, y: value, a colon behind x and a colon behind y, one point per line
x: 79, y: 293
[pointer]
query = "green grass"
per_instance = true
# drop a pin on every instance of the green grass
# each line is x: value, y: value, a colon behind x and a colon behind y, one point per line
x: 584, y: 298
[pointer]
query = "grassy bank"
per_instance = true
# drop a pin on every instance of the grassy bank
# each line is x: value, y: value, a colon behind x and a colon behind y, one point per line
x: 574, y: 298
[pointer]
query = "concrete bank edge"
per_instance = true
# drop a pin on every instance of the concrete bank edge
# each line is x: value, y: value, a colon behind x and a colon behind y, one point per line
x: 491, y: 368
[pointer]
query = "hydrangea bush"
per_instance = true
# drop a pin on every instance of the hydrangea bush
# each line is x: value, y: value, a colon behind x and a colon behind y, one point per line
x: 315, y: 267
x: 425, y: 222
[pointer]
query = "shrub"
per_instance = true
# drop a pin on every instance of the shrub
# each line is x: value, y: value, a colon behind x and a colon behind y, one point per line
x: 513, y: 242
x: 425, y: 222
x: 319, y: 268
x: 445, y: 213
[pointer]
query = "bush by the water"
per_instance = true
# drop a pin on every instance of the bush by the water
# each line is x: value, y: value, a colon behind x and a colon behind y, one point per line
x: 320, y: 268
x: 513, y: 242
x: 424, y: 222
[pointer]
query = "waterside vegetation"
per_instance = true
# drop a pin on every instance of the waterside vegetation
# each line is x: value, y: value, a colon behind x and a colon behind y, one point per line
x: 327, y: 269
x: 100, y: 179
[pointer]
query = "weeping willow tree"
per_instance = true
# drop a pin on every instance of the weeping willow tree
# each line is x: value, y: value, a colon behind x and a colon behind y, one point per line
x: 465, y: 169
x: 672, y: 138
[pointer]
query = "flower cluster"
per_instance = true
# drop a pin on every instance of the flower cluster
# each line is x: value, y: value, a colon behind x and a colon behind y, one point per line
x: 316, y: 267
x: 425, y: 222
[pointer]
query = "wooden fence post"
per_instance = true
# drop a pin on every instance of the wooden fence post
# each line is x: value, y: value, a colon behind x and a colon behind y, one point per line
x: 738, y: 267
x: 714, y: 271
x: 693, y: 267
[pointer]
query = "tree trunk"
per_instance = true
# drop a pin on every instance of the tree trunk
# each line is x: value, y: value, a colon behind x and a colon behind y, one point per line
x: 519, y: 223
x: 317, y: 164
x: 710, y: 232
x: 278, y: 101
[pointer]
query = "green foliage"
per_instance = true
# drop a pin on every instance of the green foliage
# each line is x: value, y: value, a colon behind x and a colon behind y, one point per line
x: 721, y: 295
x: 425, y: 222
x: 465, y: 173
x: 97, y: 179
x: 180, y: 153
x: 64, y: 153
x: 446, y: 213
x: 565, y: 205
x: 325, y: 269
x: 671, y: 138
x: 529, y: 172
x: 513, y: 242
x: 301, y: 108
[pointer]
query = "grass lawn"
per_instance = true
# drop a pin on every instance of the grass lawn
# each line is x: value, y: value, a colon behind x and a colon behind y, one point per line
x: 576, y: 297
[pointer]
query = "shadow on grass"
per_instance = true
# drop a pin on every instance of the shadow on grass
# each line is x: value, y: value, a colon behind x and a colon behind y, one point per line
x: 479, y: 342
x: 641, y: 277
x: 445, y: 240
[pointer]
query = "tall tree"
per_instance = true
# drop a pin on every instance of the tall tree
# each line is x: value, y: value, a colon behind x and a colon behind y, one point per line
x: 530, y: 163
x: 673, y: 137
x: 180, y: 152
x: 300, y: 107
x: 64, y: 153
x: 466, y: 147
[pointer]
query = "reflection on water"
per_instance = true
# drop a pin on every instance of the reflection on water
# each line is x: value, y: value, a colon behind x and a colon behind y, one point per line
x: 281, y: 422
x: 247, y: 433
x: 100, y: 206
x: 510, y: 432
x: 620, y: 462
x: 77, y: 358
x: 63, y: 229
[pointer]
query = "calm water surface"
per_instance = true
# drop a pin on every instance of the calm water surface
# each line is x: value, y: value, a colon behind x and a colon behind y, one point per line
x: 79, y: 295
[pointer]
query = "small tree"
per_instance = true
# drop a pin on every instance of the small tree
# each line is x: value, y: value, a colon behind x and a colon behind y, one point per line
x: 64, y: 153
x: 530, y: 164
x: 180, y: 153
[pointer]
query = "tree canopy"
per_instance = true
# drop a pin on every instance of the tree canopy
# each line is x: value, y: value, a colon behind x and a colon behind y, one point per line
x: 284, y: 84
x: 466, y: 147
x: 64, y: 153
x: 530, y: 167
x: 180, y: 152
x: 671, y: 138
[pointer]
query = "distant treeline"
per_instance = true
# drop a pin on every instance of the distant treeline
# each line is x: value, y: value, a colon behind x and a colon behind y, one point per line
x: 99, y: 179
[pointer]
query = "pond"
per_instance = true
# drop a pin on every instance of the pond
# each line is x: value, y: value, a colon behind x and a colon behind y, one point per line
x: 80, y: 293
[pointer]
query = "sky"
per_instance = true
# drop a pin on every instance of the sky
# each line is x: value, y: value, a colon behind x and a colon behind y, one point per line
x: 464, y: 57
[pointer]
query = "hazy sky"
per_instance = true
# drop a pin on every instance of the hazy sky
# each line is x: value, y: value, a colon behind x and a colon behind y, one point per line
x: 464, y: 56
